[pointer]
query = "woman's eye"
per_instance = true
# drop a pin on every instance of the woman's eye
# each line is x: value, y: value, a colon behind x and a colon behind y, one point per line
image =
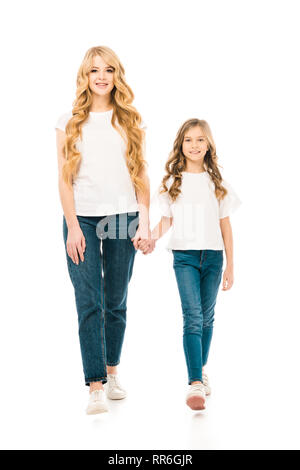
x: 94, y: 70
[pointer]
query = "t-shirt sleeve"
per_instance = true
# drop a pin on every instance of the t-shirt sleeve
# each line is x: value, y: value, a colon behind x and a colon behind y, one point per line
x: 230, y: 202
x: 63, y: 121
x: 163, y: 202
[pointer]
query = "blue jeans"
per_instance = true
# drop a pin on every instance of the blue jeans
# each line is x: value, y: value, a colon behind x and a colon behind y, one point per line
x: 198, y: 274
x: 101, y: 283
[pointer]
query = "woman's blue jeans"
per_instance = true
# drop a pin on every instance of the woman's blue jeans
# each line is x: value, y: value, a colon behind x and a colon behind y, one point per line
x: 101, y: 283
x: 198, y: 274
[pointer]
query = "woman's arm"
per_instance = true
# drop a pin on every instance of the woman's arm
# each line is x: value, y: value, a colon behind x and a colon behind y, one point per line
x: 76, y: 240
x: 65, y: 192
x: 228, y: 245
x: 143, y: 200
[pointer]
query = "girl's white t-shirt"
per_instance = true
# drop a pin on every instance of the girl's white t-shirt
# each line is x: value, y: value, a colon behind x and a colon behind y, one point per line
x: 196, y: 212
x: 103, y: 185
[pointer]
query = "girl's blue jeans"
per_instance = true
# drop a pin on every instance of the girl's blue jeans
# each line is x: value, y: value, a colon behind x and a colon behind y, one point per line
x: 198, y: 274
x: 101, y: 283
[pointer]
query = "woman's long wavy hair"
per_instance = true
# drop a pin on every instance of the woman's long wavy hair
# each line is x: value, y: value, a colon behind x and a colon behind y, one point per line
x: 176, y: 162
x: 123, y: 112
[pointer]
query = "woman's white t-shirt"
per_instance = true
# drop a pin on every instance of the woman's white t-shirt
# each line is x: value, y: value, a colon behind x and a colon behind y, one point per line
x: 196, y: 212
x: 103, y: 185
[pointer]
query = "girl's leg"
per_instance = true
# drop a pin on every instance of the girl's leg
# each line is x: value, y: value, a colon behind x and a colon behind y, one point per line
x: 87, y: 282
x: 118, y: 259
x: 210, y: 279
x: 187, y: 270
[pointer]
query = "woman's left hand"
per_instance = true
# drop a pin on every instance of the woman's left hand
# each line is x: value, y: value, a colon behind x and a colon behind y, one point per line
x: 227, y: 278
x: 146, y: 246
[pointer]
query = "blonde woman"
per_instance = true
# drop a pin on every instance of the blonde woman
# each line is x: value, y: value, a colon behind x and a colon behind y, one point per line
x: 196, y: 201
x: 104, y: 192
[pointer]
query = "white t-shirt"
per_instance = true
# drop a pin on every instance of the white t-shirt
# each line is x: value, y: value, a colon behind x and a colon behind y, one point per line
x: 103, y: 185
x: 196, y: 212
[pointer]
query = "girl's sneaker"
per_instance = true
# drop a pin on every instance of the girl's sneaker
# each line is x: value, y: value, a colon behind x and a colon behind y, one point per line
x: 113, y: 388
x: 97, y: 403
x: 206, y: 384
x: 195, y: 398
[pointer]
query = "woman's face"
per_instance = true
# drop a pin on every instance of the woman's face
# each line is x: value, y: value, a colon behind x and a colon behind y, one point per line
x: 195, y: 144
x: 101, y: 77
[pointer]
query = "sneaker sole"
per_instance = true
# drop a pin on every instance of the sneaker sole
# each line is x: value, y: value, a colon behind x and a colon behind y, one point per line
x: 96, y: 410
x: 115, y: 398
x: 196, y: 402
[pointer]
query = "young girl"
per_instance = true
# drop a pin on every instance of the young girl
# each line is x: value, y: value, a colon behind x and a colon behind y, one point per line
x: 102, y: 183
x: 197, y: 202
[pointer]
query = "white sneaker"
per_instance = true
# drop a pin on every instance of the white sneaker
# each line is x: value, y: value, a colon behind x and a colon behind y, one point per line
x: 97, y: 403
x: 195, y: 398
x: 113, y: 388
x: 206, y: 384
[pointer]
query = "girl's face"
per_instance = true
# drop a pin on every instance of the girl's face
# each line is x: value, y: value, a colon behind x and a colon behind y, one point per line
x: 195, y: 144
x: 101, y: 77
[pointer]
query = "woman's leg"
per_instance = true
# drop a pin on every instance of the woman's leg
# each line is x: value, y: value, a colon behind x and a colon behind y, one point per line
x: 88, y: 286
x: 210, y: 279
x: 187, y: 270
x: 118, y: 260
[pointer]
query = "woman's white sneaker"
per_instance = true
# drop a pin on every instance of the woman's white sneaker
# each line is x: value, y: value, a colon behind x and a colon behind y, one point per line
x: 195, y: 398
x: 113, y: 388
x: 97, y: 403
x: 206, y: 384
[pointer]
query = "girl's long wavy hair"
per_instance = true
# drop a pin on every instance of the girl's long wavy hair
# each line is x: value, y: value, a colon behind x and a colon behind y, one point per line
x: 176, y: 162
x: 123, y: 112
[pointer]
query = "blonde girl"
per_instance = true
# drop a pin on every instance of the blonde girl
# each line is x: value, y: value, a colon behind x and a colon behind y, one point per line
x: 196, y: 201
x: 104, y: 192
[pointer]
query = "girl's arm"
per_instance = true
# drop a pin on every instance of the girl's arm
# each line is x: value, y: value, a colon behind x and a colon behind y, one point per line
x: 76, y: 240
x: 161, y: 228
x: 228, y: 245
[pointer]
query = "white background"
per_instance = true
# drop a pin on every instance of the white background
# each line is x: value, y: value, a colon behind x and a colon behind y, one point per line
x: 234, y: 64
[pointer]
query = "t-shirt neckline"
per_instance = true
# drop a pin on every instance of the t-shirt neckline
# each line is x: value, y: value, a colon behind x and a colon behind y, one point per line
x: 191, y: 173
x: 101, y: 112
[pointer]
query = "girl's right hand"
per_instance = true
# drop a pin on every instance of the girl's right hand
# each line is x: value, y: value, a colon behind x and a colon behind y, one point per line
x: 75, y: 244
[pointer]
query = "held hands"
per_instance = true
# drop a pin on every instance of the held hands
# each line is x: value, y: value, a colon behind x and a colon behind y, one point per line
x: 146, y: 246
x: 142, y: 240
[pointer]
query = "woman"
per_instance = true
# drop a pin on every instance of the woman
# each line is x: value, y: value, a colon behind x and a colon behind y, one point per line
x: 102, y: 183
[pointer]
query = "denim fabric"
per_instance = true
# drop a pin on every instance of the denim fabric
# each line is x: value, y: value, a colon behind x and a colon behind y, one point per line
x: 101, y: 284
x: 198, y: 275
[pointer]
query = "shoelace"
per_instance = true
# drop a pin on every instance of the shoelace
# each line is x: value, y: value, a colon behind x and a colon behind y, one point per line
x: 96, y: 394
x: 197, y: 387
x: 204, y: 379
x: 115, y: 382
